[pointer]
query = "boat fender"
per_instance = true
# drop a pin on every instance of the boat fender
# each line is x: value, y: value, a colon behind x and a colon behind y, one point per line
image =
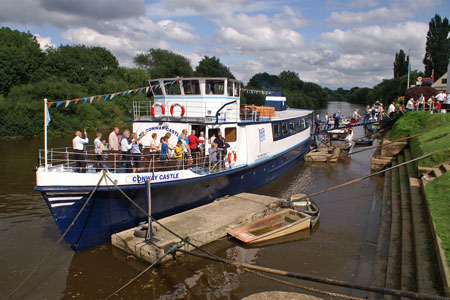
x: 183, y: 110
x: 163, y: 110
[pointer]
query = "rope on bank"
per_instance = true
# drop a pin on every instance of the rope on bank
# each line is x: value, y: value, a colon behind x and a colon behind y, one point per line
x: 59, y: 240
x: 368, y: 176
x: 213, y: 257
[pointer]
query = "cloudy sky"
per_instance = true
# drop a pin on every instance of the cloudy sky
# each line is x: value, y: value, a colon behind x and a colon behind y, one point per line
x: 334, y: 43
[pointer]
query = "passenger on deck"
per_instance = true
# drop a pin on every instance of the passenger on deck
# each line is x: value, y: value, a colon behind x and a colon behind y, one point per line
x: 194, y: 141
x: 355, y: 117
x: 113, y: 140
x: 184, y: 131
x: 154, y: 146
x: 179, y: 153
x: 125, y: 146
x: 221, y: 146
x: 186, y: 148
x: 337, y: 119
x: 98, y: 149
x: 327, y: 121
x: 136, y: 152
x: 201, y: 144
x: 169, y: 145
x: 164, y: 149
x: 78, y: 147
x: 213, y: 156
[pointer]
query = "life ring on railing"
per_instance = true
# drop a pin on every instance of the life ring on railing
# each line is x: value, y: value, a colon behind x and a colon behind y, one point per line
x: 234, y: 158
x: 163, y: 110
x: 183, y: 110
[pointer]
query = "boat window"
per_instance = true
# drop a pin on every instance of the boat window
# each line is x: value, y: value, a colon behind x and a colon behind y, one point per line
x: 156, y: 88
x: 230, y: 88
x: 285, y: 128
x: 276, y: 130
x: 191, y: 87
x: 291, y: 127
x: 303, y: 123
x: 237, y: 88
x: 297, y: 124
x: 230, y: 134
x: 172, y: 87
x: 214, y: 87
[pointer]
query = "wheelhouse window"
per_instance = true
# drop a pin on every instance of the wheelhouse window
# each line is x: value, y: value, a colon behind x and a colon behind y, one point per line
x: 191, y: 87
x: 291, y: 127
x: 230, y: 134
x: 237, y: 88
x: 230, y: 88
x: 276, y: 130
x: 285, y: 128
x: 172, y: 87
x: 214, y: 87
x: 303, y: 123
x: 156, y: 88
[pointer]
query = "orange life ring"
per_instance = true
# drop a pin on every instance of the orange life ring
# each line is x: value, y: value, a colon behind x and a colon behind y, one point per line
x: 163, y: 110
x: 229, y: 158
x: 234, y: 157
x: 183, y: 110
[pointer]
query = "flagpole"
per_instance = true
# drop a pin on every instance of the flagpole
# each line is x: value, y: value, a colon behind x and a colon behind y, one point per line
x: 45, y: 133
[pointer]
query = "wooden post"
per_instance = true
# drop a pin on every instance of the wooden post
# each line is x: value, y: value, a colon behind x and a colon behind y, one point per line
x: 148, y: 192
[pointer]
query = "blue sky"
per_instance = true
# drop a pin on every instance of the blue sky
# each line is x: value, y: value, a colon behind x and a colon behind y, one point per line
x: 334, y: 43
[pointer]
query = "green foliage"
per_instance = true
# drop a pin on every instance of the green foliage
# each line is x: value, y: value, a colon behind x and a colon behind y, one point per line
x: 20, y: 58
x: 435, y: 136
x: 438, y: 198
x: 212, y: 67
x: 416, y: 91
x: 81, y: 64
x: 161, y: 63
x: 401, y: 64
x: 437, y: 50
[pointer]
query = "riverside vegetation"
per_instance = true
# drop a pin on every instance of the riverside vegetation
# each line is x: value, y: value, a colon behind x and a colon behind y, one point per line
x: 435, y: 130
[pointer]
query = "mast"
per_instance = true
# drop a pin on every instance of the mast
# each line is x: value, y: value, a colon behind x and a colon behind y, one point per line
x: 45, y: 132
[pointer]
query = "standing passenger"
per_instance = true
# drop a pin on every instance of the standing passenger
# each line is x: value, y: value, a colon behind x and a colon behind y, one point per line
x: 317, y: 123
x: 136, y: 152
x: 98, y: 146
x: 126, y: 147
x: 327, y: 121
x: 78, y: 146
x: 164, y: 149
x: 113, y: 140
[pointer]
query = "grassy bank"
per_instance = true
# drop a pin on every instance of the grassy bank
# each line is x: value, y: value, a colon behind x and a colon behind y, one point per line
x: 435, y: 135
x: 438, y: 197
x: 435, y: 130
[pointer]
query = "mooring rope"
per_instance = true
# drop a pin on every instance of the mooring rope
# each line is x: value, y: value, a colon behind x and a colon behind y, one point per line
x: 211, y: 256
x: 379, y: 145
x: 394, y: 292
x: 59, y: 240
x: 368, y: 176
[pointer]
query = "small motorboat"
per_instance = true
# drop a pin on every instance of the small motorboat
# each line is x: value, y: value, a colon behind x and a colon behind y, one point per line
x: 277, y: 225
x: 364, y: 142
x: 307, y: 206
x: 346, y: 146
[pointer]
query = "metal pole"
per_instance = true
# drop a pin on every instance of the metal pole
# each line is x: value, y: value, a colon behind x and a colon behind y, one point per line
x: 409, y: 67
x: 45, y: 133
x: 149, y: 236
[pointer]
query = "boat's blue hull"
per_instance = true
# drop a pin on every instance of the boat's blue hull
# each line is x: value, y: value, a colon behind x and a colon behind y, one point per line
x: 109, y: 212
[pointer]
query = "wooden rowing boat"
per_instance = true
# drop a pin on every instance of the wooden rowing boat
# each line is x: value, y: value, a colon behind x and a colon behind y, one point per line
x: 363, y: 142
x: 277, y: 225
x: 307, y: 206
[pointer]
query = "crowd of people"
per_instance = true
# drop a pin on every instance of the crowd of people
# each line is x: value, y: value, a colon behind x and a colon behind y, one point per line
x: 439, y: 103
x: 128, y: 146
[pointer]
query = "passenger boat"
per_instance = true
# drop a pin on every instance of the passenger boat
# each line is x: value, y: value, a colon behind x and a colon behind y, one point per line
x: 264, y: 142
x: 273, y: 226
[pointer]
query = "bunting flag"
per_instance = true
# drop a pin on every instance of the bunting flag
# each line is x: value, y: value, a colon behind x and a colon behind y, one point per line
x: 76, y: 100
x: 50, y: 104
x: 59, y: 103
x: 67, y: 103
x: 112, y: 96
x: 85, y: 99
x: 92, y: 99
x: 106, y: 97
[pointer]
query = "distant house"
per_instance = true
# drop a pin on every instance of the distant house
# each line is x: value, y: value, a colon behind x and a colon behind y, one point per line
x: 441, y: 83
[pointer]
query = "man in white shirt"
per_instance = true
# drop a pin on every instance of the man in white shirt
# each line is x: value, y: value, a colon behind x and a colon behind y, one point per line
x: 410, y: 105
x: 78, y: 147
x: 125, y: 146
x: 113, y: 140
x: 391, y: 110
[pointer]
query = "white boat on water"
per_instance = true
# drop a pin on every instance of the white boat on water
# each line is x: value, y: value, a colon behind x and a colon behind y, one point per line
x: 263, y: 143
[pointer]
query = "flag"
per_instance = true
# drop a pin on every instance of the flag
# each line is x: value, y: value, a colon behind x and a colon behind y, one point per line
x: 85, y: 99
x: 47, y: 115
x: 106, y: 97
x: 91, y: 99
x: 59, y: 103
x: 67, y: 103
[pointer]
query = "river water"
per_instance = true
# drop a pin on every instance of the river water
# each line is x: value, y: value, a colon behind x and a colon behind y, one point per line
x: 341, y: 247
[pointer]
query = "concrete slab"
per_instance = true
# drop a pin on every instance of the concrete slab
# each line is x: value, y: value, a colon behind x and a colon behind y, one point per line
x: 201, y: 225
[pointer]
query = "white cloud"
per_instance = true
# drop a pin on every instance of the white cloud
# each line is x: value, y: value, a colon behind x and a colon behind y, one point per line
x: 44, y: 41
x: 398, y: 10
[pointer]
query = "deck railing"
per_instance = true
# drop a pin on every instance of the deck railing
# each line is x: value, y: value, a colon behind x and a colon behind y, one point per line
x: 65, y: 160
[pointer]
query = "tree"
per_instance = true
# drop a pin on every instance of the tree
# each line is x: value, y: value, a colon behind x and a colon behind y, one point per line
x: 290, y: 81
x: 212, y: 67
x: 81, y: 64
x: 20, y: 58
x: 161, y: 63
x: 401, y: 64
x: 437, y: 50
